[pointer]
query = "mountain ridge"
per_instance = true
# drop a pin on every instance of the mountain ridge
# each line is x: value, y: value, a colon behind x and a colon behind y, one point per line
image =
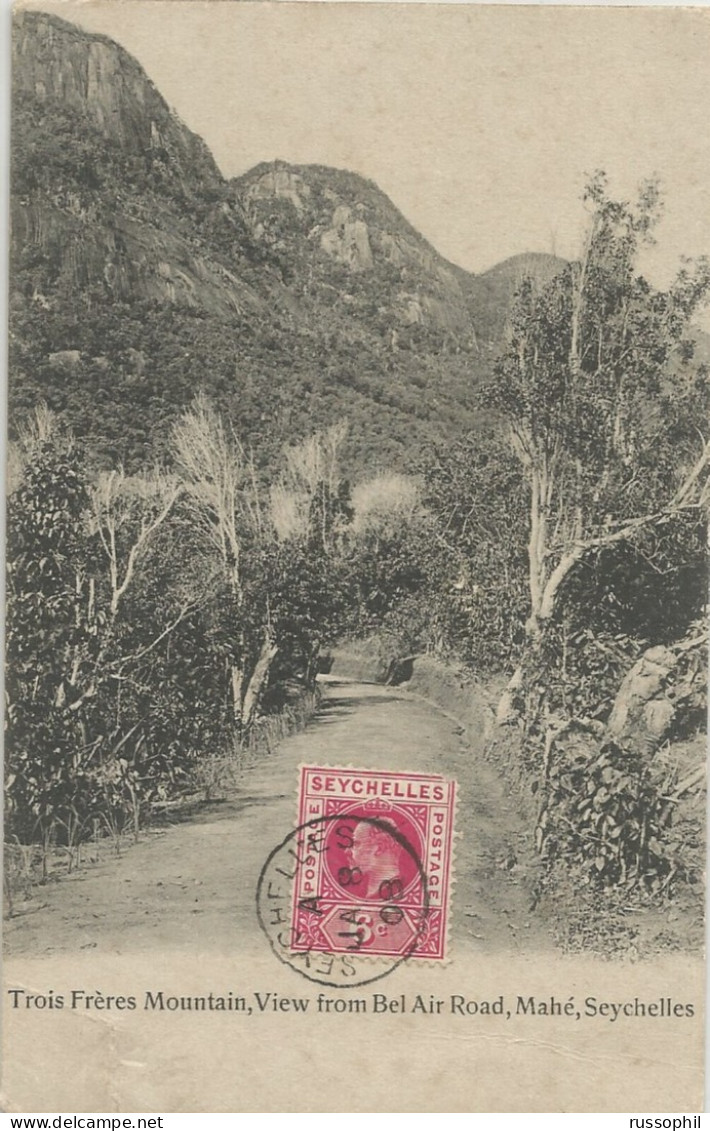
x: 293, y: 295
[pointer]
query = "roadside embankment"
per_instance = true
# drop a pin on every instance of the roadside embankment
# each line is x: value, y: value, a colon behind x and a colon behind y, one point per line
x: 451, y: 687
x: 615, y: 902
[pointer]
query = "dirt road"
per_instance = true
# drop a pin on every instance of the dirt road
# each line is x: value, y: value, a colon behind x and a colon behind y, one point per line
x: 175, y: 915
x: 192, y: 885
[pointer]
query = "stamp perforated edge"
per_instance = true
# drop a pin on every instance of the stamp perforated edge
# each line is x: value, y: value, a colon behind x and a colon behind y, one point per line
x: 420, y: 960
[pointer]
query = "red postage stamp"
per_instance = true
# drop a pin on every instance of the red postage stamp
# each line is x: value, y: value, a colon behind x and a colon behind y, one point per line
x: 374, y: 871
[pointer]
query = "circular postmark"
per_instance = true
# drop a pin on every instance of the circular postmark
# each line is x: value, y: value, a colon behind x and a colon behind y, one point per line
x: 343, y: 899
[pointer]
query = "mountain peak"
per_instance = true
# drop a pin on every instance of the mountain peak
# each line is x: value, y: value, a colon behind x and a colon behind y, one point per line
x: 491, y: 293
x: 336, y: 230
x: 86, y: 74
x: 536, y: 264
x: 295, y: 295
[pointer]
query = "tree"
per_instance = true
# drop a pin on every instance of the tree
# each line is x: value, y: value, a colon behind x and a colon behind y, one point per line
x: 475, y: 492
x: 224, y: 507
x: 311, y: 513
x: 601, y: 404
x: 130, y: 510
x: 311, y: 498
x: 96, y: 701
x: 54, y: 628
x: 385, y: 502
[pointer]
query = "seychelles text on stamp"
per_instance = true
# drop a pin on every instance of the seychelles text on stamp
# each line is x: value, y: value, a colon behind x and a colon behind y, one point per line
x: 374, y: 878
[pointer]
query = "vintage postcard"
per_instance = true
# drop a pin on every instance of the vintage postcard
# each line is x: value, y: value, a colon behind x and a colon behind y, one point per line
x: 356, y: 639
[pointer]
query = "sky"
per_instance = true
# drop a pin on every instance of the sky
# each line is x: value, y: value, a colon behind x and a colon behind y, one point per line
x: 481, y: 123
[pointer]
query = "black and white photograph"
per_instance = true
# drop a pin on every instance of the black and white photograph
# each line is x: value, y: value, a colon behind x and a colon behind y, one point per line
x: 358, y: 473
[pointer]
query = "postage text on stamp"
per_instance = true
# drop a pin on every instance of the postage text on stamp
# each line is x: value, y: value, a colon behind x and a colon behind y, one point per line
x: 375, y: 875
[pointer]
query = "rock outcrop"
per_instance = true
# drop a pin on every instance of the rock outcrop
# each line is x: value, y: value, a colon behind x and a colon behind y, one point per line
x: 348, y: 240
x: 664, y: 693
x: 297, y: 295
x: 108, y: 185
x: 92, y: 76
x: 280, y: 183
x: 335, y: 230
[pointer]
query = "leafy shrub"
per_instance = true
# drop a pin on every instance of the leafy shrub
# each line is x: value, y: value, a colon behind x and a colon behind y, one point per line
x: 580, y: 668
x: 608, y: 813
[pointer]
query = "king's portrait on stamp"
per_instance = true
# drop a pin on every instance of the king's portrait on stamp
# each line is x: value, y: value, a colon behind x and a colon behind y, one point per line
x: 380, y: 882
x: 358, y: 476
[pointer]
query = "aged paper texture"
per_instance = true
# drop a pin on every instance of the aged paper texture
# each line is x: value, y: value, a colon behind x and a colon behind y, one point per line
x: 358, y: 463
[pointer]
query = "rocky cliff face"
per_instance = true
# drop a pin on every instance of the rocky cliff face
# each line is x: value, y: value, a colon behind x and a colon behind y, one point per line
x: 335, y: 229
x: 110, y: 191
x: 59, y: 65
x: 295, y: 296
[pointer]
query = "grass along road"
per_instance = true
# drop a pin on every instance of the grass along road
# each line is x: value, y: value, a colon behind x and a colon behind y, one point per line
x: 192, y: 885
x: 176, y: 913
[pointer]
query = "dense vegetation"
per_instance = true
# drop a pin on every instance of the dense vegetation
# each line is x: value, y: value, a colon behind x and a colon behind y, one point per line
x: 139, y: 274
x: 580, y: 524
x: 152, y: 619
x: 521, y: 485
